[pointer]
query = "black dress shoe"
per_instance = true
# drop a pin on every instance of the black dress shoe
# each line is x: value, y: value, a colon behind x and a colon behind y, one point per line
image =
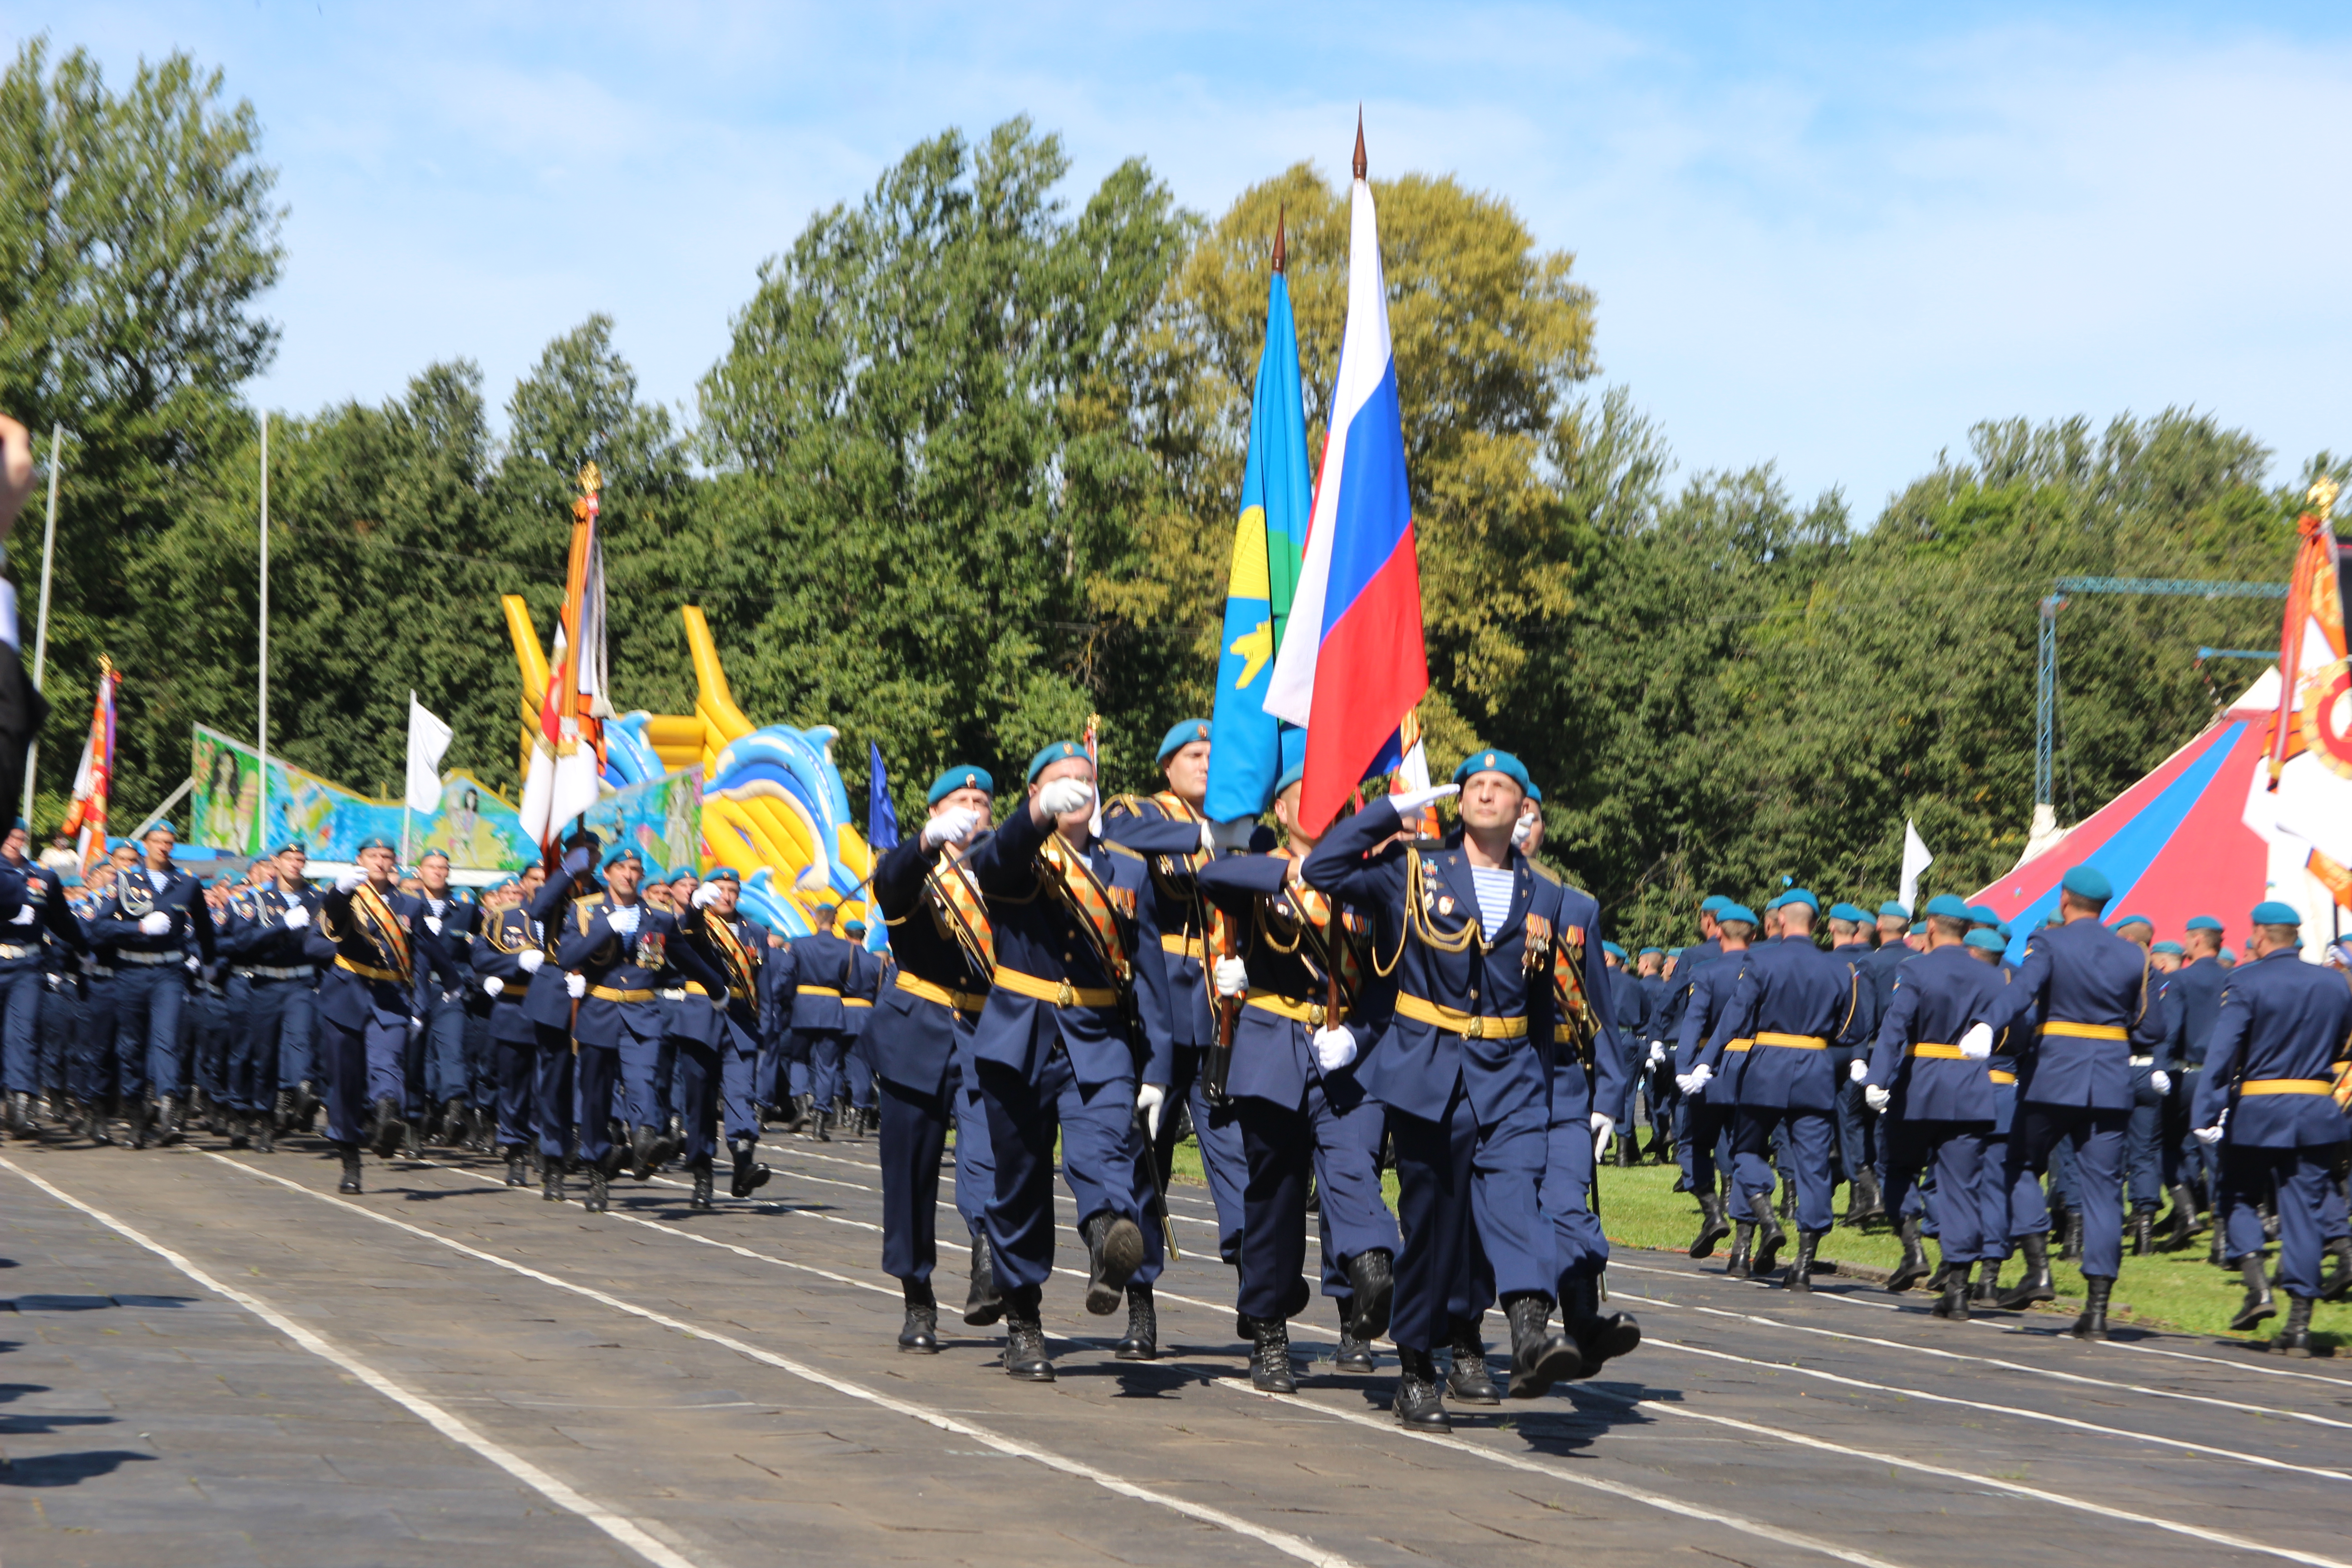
x: 1114, y: 1252
x: 1371, y: 1274
x: 1354, y: 1355
x: 350, y: 1181
x: 1468, y: 1379
x: 1142, y: 1341
x: 1269, y: 1362
x: 1539, y: 1358
x: 982, y: 1304
x: 1862, y: 1201
x: 641, y: 1153
x: 920, y: 1335
x: 702, y: 1198
x: 1418, y: 1404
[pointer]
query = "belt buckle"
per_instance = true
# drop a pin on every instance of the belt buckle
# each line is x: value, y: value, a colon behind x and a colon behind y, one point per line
x: 1066, y: 997
x: 1315, y: 1015
x: 1475, y: 1028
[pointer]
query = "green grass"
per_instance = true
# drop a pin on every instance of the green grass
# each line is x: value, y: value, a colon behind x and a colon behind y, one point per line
x: 1640, y: 1208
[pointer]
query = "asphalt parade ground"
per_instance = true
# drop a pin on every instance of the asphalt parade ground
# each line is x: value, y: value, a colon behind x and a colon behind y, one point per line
x: 212, y: 1358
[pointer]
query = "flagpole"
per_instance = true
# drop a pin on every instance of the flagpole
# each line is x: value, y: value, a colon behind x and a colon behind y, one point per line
x: 407, y: 772
x: 261, y: 812
x: 41, y: 625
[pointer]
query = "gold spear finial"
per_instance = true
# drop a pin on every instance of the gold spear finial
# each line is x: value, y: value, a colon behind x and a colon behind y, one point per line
x: 591, y: 481
x: 2322, y: 496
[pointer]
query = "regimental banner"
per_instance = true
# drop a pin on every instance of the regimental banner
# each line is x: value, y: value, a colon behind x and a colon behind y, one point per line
x: 476, y: 828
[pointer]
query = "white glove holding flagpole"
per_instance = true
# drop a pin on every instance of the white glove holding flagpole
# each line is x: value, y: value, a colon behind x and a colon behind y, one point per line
x: 1603, y: 1125
x: 1150, y: 1098
x: 1415, y: 800
x: 1232, y: 977
x: 1334, y: 1048
x: 576, y: 985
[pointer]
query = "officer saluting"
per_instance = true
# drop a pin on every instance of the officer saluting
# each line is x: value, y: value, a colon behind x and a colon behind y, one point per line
x: 1465, y: 1069
x: 1074, y: 1038
x: 366, y: 932
x: 920, y: 1039
x: 2266, y: 1100
x: 2087, y: 995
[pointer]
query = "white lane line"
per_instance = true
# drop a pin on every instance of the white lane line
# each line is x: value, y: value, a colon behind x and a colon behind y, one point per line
x: 1281, y: 1540
x: 627, y: 1532
x: 1562, y: 1473
x: 2239, y: 1406
x: 1802, y: 1440
x: 2255, y: 1459
x: 2019, y: 1329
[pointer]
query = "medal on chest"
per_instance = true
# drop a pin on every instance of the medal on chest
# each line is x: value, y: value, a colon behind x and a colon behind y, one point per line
x: 650, y: 950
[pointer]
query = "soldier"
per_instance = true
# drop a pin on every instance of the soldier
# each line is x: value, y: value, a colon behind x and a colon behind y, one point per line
x: 718, y: 997
x: 1169, y: 830
x: 151, y: 917
x: 1629, y: 1020
x: 614, y: 951
x: 1656, y: 1072
x: 2193, y: 1168
x: 1850, y: 931
x: 1465, y: 1069
x: 921, y: 1037
x: 445, y: 926
x: 2088, y: 996
x: 35, y: 923
x: 366, y: 932
x: 1686, y: 962
x: 1935, y: 1098
x: 827, y: 971
x: 547, y: 1003
x: 2266, y: 1100
x: 506, y: 961
x: 1074, y: 1039
x: 269, y: 988
x: 104, y: 1077
x: 2151, y: 1086
x: 1792, y: 1000
x: 1711, y: 1104
x: 856, y: 1109
x: 1295, y: 992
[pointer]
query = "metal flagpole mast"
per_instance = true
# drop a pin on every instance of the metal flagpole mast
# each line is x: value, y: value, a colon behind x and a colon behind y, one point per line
x: 41, y: 625
x: 404, y: 777
x: 261, y: 730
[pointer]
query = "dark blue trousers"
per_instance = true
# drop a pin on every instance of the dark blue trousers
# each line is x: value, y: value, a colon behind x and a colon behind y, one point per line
x: 696, y: 1088
x: 1805, y: 1145
x: 1706, y: 1135
x: 516, y: 1094
x: 552, y: 1076
x: 2143, y: 1145
x: 1219, y: 1135
x: 823, y: 1051
x: 267, y: 1012
x: 1282, y: 1146
x: 913, y: 1137
x: 148, y: 1001
x: 1467, y: 1207
x: 101, y: 1071
x: 21, y: 991
x: 444, y: 1042
x: 1956, y: 1152
x: 740, y: 1093
x: 1578, y: 1249
x: 349, y: 1056
x: 642, y: 1101
x: 2310, y: 1207
x: 2095, y: 1140
x: 596, y: 1081
x: 1101, y: 1160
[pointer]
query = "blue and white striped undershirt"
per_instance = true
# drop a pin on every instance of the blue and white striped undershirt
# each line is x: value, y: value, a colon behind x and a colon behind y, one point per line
x: 1493, y: 888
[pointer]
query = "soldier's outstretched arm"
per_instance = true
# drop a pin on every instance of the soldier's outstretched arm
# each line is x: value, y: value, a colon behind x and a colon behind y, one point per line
x: 1337, y: 863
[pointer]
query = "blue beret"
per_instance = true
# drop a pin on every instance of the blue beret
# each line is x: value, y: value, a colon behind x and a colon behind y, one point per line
x: 1502, y: 762
x: 1612, y: 948
x: 1984, y: 914
x: 1989, y: 942
x: 725, y: 874
x: 293, y: 846
x: 1890, y: 910
x: 1799, y: 895
x: 23, y: 825
x: 853, y: 927
x: 1290, y: 775
x: 2005, y: 932
x: 1731, y: 911
x: 2271, y: 912
x: 1181, y: 735
x: 2087, y: 881
x: 1673, y: 952
x: 2203, y: 922
x: 373, y: 841
x: 1713, y: 904
x: 963, y: 775
x: 1059, y: 751
x: 1647, y: 951
x: 624, y: 852
x: 2173, y: 948
x: 1949, y: 907
x: 2134, y: 919
x: 1533, y: 793
x: 1918, y: 928
x: 1842, y: 911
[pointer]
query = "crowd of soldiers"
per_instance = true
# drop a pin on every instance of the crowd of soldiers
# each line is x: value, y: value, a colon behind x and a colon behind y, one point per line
x: 1067, y: 989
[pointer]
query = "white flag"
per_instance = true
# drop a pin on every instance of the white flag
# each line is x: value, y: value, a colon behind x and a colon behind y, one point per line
x: 1915, y: 859
x: 428, y: 738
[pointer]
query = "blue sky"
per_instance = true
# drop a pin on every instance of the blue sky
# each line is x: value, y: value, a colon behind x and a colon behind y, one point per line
x: 1827, y: 236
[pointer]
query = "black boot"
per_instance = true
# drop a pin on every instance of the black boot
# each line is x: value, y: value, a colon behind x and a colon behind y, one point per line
x: 237, y: 1136
x: 516, y: 1175
x: 1354, y: 1355
x: 550, y: 1180
x: 1988, y: 1290
x: 1419, y: 1402
x: 1712, y: 1226
x: 20, y: 1116
x: 389, y: 1127
x: 2036, y: 1286
x: 1862, y: 1201
x: 1936, y: 1281
x: 1469, y: 1381
x: 1024, y: 1337
x: 641, y: 1152
x: 2186, y: 1221
x: 2294, y: 1338
x: 454, y: 1122
x: 920, y: 1335
x: 702, y: 1198
x: 598, y: 1199
x: 1599, y: 1336
x: 2093, y: 1323
x: 1142, y: 1341
x: 1913, y: 1266
x: 2071, y: 1248
x: 1270, y: 1356
x: 351, y: 1153
x: 1372, y: 1274
x: 982, y: 1304
x: 167, y: 1121
x: 748, y: 1178
x: 1787, y: 1208
x: 1743, y: 1243
x: 2218, y: 1253
x: 1769, y: 1236
x: 2259, y: 1303
x: 819, y: 1128
x: 1954, y: 1302
x: 1114, y: 1252
x: 2143, y: 1232
x: 1800, y: 1272
x: 1539, y: 1358
x: 2336, y: 1285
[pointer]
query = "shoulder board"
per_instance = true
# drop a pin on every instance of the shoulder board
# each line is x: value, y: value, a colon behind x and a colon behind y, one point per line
x: 1127, y: 805
x: 1120, y: 849
x: 1544, y: 872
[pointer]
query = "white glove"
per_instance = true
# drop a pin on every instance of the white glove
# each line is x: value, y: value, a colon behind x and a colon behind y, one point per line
x: 575, y: 986
x: 154, y: 923
x: 492, y: 985
x: 624, y: 920
x: 1232, y: 977
x: 530, y: 959
x: 189, y: 964
x: 1977, y: 1044
x: 1658, y: 1052
x: 2160, y: 1082
x: 1858, y: 1071
x: 433, y: 924
x: 2206, y: 1134
x: 1876, y: 1098
x: 1691, y: 1082
x: 1233, y: 837
x: 1521, y: 831
x: 951, y: 826
x: 1603, y: 1125
x: 297, y: 919
x: 1064, y: 796
x: 1150, y: 1098
x: 706, y: 895
x: 1334, y: 1048
x: 1412, y: 800
x: 349, y: 882
x: 1207, y: 840
x: 23, y: 917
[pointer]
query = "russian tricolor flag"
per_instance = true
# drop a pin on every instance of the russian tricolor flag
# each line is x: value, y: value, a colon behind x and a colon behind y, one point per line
x: 1354, y: 664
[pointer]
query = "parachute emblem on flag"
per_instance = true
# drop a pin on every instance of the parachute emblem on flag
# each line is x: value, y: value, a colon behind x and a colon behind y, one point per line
x: 2327, y: 717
